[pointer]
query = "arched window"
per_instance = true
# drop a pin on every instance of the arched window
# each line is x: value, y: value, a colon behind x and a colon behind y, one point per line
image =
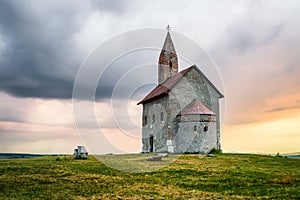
x: 153, y: 119
x: 161, y: 116
x: 170, y: 65
x: 195, y: 128
x: 145, y: 120
x: 205, y: 128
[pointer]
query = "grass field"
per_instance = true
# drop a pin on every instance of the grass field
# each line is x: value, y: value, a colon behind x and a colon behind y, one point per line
x: 225, y: 176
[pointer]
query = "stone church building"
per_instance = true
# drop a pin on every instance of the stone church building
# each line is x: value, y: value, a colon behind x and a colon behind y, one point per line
x: 181, y: 114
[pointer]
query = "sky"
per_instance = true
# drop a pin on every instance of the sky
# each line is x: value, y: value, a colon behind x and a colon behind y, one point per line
x: 254, y: 45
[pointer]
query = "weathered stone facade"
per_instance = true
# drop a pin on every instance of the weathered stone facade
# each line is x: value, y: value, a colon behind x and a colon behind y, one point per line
x: 197, y: 133
x: 182, y: 113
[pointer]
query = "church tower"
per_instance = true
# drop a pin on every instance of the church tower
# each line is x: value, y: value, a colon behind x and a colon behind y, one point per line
x: 168, y: 61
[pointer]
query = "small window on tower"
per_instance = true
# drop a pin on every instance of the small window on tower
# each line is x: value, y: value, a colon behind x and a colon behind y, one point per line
x: 195, y: 128
x: 153, y: 119
x: 171, y: 67
x: 205, y: 128
x: 145, y: 120
x: 161, y: 116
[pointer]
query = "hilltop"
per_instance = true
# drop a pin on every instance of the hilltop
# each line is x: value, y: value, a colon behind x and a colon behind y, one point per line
x: 226, y: 176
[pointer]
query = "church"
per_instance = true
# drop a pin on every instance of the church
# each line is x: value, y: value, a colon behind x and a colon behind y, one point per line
x: 181, y: 114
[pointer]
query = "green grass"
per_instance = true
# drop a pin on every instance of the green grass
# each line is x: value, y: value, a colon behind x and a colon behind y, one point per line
x: 225, y: 176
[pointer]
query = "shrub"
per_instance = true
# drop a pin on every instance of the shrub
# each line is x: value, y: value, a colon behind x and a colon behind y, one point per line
x: 215, y: 151
x: 60, y: 158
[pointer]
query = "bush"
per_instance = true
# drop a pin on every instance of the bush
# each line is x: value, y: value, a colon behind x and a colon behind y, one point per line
x: 278, y: 155
x: 215, y: 151
x: 60, y: 158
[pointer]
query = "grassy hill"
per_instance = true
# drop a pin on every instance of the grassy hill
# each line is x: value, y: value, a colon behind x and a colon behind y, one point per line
x: 225, y: 176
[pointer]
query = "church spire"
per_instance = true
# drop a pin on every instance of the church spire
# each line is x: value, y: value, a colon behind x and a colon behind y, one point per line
x: 168, y: 61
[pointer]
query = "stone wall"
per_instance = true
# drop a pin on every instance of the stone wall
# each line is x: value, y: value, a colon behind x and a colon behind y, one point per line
x: 192, y: 86
x: 208, y: 95
x: 158, y: 128
x: 201, y: 140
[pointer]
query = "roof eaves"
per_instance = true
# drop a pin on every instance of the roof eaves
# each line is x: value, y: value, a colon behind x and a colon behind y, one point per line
x: 152, y: 98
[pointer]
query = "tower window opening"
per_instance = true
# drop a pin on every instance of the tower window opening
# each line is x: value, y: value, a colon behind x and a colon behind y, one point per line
x: 170, y: 65
x: 161, y: 116
x: 153, y: 119
x: 205, y: 128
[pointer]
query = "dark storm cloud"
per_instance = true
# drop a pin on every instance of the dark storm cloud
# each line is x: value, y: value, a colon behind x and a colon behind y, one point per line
x: 34, y: 61
x: 38, y: 56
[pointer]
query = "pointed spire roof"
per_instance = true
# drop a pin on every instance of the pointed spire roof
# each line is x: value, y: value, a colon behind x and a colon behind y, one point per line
x: 196, y: 108
x: 168, y: 60
x: 168, y: 45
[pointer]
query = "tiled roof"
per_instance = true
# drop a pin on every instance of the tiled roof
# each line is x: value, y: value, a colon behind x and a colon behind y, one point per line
x: 165, y: 87
x: 196, y: 108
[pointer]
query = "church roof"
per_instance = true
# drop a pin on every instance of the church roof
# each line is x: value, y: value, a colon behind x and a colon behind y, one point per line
x: 166, y: 86
x: 196, y: 108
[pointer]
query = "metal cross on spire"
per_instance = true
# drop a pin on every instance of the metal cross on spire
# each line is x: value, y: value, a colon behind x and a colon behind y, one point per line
x: 168, y: 28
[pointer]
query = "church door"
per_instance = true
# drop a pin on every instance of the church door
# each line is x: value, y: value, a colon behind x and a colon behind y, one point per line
x: 151, y: 143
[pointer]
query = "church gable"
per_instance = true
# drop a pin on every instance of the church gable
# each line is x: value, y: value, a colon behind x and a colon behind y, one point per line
x: 165, y: 87
x: 194, y: 74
